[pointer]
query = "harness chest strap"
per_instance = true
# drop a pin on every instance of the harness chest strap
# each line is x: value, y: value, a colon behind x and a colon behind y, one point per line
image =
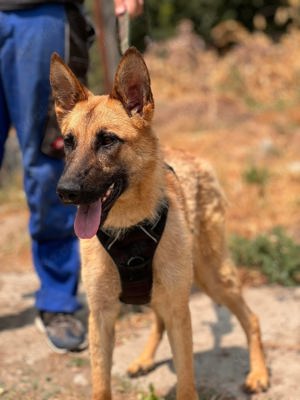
x: 133, y: 255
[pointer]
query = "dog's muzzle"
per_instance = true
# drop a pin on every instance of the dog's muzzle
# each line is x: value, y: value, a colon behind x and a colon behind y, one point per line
x: 72, y: 193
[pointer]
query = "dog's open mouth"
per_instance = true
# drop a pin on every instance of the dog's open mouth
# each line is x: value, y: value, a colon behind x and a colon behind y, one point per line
x: 91, y: 216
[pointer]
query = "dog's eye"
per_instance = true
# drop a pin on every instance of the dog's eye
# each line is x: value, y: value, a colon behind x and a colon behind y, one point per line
x: 106, y: 140
x: 69, y: 142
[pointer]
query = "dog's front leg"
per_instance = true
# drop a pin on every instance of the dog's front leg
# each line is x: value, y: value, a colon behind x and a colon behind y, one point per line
x: 177, y: 320
x: 101, y: 342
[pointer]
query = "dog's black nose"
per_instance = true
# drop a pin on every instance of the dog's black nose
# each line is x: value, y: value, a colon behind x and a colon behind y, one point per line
x: 68, y: 192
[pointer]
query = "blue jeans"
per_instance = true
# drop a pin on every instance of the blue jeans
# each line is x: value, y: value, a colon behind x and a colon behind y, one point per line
x: 27, y: 40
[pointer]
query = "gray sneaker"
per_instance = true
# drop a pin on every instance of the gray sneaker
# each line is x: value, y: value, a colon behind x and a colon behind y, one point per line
x: 64, y: 332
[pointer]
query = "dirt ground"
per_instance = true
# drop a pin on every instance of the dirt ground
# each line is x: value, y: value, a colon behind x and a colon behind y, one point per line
x: 238, y: 111
x: 31, y: 371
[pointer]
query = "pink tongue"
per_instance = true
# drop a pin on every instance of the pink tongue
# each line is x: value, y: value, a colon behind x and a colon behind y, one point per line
x: 87, y: 220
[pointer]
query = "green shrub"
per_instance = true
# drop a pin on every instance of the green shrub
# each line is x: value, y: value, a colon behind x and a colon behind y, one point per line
x: 151, y: 395
x: 276, y: 254
x: 164, y: 15
x: 258, y: 176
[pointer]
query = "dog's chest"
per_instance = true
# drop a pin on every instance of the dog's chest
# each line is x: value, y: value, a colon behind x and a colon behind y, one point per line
x: 133, y: 254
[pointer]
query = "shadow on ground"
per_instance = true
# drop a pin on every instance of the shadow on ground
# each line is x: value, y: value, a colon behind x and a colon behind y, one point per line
x: 205, y: 393
x: 17, y: 320
x: 210, y: 366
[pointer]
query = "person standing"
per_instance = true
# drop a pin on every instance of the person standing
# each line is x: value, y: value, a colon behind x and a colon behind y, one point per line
x: 30, y: 31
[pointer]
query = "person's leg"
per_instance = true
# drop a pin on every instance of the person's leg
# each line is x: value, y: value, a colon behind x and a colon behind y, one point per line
x: 4, y: 116
x: 4, y: 121
x: 36, y: 34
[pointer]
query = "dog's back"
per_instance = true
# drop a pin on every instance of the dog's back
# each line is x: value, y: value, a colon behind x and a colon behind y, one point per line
x: 205, y: 206
x: 205, y: 201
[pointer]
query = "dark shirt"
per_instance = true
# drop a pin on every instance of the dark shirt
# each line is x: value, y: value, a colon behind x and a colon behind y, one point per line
x: 9, y: 5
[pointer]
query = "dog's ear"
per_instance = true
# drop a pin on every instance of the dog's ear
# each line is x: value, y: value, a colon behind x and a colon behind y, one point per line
x: 66, y: 88
x: 132, y: 85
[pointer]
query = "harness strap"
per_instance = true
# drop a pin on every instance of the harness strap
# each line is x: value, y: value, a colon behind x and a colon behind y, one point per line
x: 133, y: 254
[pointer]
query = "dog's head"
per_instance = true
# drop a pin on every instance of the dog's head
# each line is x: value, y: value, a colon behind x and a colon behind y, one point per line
x: 107, y: 139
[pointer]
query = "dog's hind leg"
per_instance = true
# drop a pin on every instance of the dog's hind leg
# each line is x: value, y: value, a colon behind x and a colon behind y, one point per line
x: 258, y: 377
x: 222, y: 285
x: 145, y: 362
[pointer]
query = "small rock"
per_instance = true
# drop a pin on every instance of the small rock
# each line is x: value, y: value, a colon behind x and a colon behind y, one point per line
x: 297, y: 293
x: 294, y: 169
x: 80, y: 380
x: 267, y: 148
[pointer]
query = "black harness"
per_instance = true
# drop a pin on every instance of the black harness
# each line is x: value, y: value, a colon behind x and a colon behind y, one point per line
x: 133, y: 255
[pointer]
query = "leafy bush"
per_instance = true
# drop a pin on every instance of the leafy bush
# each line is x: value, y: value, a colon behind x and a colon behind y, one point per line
x: 276, y: 254
x: 206, y: 14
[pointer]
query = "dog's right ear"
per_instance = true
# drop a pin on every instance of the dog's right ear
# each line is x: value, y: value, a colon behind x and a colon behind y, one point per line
x: 66, y: 88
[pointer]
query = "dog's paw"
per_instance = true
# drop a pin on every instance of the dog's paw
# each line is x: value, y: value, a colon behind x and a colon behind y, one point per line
x: 140, y: 367
x: 257, y: 381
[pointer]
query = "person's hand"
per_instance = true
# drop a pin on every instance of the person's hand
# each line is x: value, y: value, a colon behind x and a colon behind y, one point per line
x: 133, y: 7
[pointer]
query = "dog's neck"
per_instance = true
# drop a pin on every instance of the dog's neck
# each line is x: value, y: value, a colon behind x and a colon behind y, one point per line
x: 142, y: 201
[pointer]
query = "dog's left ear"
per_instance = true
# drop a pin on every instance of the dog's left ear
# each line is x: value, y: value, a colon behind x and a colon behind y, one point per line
x: 132, y: 85
x: 66, y: 88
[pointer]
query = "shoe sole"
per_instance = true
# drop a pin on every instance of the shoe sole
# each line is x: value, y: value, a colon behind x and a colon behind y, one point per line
x: 41, y: 328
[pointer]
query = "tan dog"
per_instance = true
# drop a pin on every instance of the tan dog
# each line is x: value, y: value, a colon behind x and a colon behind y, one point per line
x: 115, y: 172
